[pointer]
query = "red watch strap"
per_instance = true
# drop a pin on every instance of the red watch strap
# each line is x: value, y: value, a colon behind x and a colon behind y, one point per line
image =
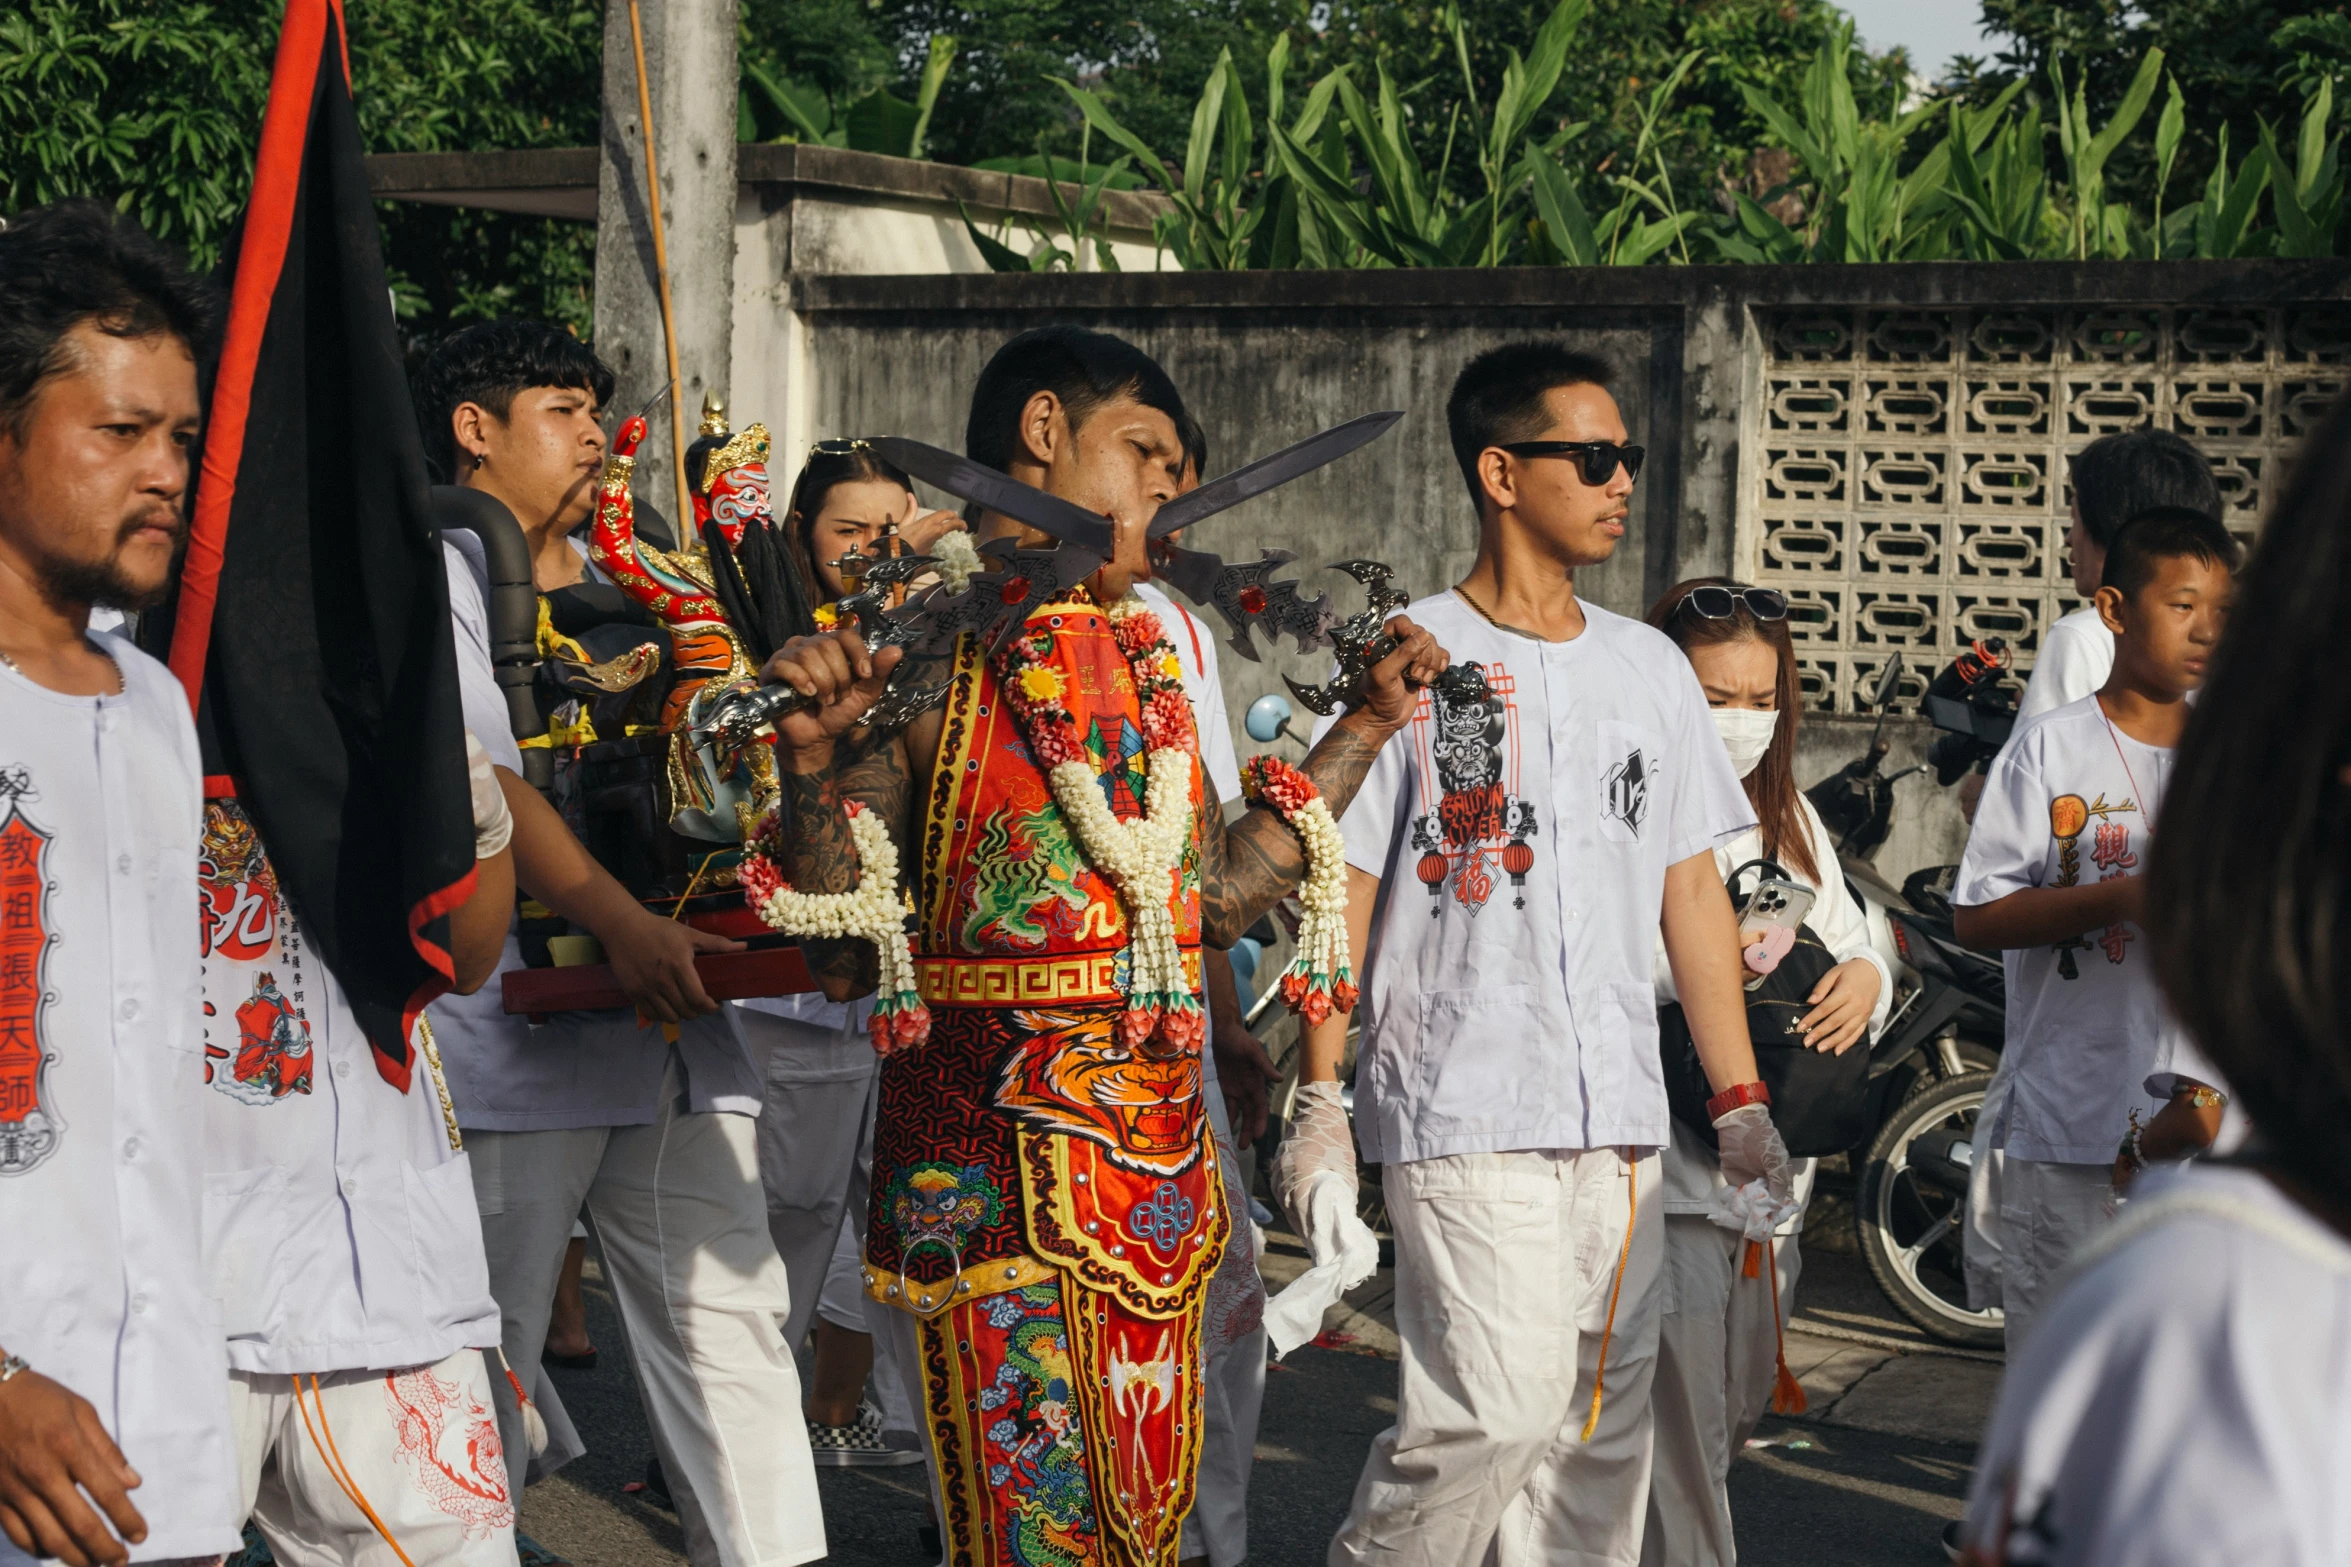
x: 1732, y: 1098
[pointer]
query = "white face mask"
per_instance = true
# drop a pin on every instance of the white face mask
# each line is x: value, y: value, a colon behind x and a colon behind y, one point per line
x: 1746, y: 734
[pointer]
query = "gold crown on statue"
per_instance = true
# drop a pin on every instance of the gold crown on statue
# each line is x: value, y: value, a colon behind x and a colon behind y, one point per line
x: 748, y: 446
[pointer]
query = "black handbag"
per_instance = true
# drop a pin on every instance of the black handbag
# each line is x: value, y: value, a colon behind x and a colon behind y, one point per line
x: 1819, y: 1102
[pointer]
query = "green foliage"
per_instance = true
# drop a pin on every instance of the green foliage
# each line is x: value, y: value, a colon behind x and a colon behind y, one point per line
x: 156, y: 107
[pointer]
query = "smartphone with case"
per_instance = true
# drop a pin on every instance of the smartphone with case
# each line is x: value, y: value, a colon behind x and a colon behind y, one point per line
x: 1774, y: 904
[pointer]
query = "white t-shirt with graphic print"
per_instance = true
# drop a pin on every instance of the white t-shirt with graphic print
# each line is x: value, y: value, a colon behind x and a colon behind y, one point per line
x: 1522, y: 846
x: 2072, y: 800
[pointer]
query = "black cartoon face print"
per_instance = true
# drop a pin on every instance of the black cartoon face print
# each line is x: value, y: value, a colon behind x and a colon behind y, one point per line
x: 1477, y: 825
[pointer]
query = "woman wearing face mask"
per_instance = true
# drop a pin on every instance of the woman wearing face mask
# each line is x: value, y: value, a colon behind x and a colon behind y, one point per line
x: 1718, y: 1338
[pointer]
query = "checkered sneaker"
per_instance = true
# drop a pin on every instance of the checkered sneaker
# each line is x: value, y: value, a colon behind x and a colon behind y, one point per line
x: 857, y: 1445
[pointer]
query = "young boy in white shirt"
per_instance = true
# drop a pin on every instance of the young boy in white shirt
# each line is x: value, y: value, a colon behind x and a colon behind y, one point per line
x: 2052, y: 877
x: 1510, y: 863
x: 2115, y: 478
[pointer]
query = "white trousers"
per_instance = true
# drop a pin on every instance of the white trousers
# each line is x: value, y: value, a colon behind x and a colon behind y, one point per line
x: 1717, y: 1356
x: 681, y: 1224
x: 1507, y: 1266
x: 2048, y: 1212
x: 1232, y: 1382
x: 815, y: 1159
x: 419, y: 1447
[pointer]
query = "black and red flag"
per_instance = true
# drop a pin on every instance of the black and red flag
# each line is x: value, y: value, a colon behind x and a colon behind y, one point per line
x: 311, y: 621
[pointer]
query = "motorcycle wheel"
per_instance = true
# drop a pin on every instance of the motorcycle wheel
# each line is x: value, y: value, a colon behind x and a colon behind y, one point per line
x: 1910, y: 1227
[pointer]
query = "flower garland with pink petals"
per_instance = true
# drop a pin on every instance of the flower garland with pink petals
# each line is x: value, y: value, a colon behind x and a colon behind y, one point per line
x: 1321, y: 977
x: 1138, y: 858
x: 873, y: 910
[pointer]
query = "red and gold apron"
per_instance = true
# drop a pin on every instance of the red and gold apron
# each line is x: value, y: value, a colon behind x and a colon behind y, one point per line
x: 1045, y: 1201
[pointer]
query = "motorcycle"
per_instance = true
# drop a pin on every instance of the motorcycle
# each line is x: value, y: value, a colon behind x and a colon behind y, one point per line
x: 1932, y: 1065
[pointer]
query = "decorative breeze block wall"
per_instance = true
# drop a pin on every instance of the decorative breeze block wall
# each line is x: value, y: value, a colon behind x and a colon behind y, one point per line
x: 1903, y: 472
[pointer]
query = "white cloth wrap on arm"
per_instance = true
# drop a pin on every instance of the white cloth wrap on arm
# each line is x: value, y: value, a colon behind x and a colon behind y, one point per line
x: 493, y: 823
x: 1314, y: 1180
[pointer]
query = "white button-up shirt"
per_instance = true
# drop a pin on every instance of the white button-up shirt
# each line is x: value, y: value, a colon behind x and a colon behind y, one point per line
x: 339, y: 1224
x: 101, y: 1084
x: 579, y: 1069
x: 1521, y: 846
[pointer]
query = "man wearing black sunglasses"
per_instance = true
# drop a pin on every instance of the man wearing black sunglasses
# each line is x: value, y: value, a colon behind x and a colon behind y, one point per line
x: 1508, y: 1077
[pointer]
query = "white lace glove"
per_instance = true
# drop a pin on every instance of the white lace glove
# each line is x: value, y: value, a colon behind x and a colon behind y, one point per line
x: 1752, y: 1151
x: 1319, y: 1141
x: 1314, y: 1179
x: 493, y: 823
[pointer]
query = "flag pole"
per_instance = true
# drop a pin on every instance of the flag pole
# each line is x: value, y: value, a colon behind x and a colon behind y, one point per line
x: 669, y: 336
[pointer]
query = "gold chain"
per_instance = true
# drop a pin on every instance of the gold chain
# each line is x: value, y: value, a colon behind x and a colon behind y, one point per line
x: 432, y: 1056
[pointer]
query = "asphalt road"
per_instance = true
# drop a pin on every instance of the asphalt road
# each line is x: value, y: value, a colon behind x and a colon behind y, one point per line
x: 1867, y: 1478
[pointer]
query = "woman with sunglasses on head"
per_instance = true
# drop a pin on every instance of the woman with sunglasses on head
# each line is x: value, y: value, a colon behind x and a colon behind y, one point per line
x: 1718, y: 1342
x: 847, y: 500
x: 816, y: 1122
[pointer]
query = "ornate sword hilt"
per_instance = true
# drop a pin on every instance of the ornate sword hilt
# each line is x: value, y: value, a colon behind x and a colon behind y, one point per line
x: 1362, y: 640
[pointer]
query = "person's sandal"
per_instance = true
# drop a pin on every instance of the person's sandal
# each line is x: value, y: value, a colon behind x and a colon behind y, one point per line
x: 857, y: 1445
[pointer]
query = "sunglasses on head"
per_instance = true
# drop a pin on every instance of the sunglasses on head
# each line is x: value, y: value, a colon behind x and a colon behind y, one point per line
x: 1597, y: 460
x: 1717, y: 602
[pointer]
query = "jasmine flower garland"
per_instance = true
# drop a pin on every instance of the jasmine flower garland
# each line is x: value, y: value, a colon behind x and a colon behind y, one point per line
x: 1321, y: 975
x: 873, y: 911
x: 1138, y: 858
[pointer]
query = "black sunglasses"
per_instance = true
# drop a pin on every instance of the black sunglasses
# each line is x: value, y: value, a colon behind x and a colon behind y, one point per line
x: 1598, y: 459
x: 1716, y: 602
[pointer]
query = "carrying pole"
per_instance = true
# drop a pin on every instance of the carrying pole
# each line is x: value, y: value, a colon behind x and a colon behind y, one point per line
x: 684, y: 524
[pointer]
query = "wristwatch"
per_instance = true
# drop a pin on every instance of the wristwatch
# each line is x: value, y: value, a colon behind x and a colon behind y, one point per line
x: 1736, y: 1096
x: 11, y: 1365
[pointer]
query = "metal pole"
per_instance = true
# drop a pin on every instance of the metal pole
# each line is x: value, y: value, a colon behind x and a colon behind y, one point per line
x: 684, y: 523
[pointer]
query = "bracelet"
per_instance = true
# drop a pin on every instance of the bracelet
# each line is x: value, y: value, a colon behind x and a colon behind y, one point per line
x: 11, y: 1366
x: 2129, y: 1152
x: 2203, y: 1098
x: 1738, y: 1096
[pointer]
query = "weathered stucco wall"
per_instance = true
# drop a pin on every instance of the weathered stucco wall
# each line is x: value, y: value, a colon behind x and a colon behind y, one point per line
x: 1265, y: 358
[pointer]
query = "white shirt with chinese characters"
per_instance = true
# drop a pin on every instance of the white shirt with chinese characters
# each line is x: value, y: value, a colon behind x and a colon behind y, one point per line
x: 2071, y: 801
x: 1521, y: 845
x: 101, y: 1086
x: 339, y: 1221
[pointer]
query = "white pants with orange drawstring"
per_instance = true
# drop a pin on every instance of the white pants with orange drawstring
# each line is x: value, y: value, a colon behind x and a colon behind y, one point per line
x: 1720, y: 1331
x: 1525, y: 1282
x: 374, y: 1468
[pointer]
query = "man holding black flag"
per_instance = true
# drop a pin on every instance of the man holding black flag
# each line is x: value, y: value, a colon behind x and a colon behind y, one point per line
x: 346, y: 877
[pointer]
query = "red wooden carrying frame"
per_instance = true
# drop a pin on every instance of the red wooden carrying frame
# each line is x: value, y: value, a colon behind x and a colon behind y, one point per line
x: 590, y: 987
x: 727, y: 976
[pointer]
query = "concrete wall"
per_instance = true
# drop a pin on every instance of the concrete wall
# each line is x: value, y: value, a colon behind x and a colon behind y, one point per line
x: 1265, y: 358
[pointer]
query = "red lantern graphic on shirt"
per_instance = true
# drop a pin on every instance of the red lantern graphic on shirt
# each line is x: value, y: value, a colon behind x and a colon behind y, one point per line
x: 1475, y: 825
x: 29, y: 1129
x: 1431, y: 871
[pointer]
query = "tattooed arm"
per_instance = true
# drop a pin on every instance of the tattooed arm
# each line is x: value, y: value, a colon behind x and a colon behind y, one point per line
x: 821, y: 768
x: 1251, y: 864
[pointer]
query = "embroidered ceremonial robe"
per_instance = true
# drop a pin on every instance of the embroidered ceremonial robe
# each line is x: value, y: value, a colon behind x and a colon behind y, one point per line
x: 1046, y: 1201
